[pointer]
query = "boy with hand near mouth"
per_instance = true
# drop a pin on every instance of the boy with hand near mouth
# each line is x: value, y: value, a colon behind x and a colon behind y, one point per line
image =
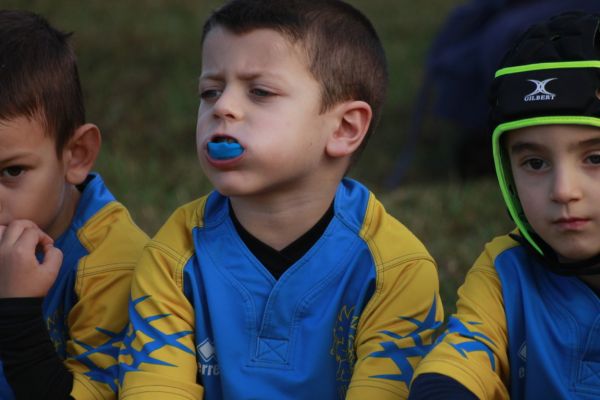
x: 527, y: 324
x: 289, y: 280
x: 67, y: 247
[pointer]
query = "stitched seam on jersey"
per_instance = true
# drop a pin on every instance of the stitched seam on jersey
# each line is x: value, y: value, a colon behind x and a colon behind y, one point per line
x: 83, y: 271
x: 98, y: 215
x: 180, y: 259
x: 371, y: 243
x: 366, y: 237
x: 79, y: 271
x: 589, y: 372
x: 398, y: 261
x: 107, y: 267
x: 88, y: 244
x: 168, y: 251
x: 198, y: 221
x: 486, y: 269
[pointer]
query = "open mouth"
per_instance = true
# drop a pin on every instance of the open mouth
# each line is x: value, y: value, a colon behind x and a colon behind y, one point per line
x: 224, y: 148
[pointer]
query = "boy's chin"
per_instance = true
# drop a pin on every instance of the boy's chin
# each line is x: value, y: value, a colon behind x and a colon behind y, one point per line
x: 230, y: 191
x: 576, y: 254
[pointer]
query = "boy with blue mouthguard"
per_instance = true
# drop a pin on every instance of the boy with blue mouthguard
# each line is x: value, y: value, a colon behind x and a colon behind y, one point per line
x: 528, y: 315
x: 288, y: 281
x: 67, y: 247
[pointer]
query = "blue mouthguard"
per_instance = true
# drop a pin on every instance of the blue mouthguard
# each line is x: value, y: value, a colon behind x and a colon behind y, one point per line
x: 224, y: 150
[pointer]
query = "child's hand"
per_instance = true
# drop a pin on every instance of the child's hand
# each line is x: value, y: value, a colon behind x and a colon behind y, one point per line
x: 21, y: 274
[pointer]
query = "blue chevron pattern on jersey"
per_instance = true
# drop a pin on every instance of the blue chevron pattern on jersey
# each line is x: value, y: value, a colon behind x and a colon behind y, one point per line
x: 159, y: 340
x: 456, y: 326
x: 400, y: 355
x: 104, y: 375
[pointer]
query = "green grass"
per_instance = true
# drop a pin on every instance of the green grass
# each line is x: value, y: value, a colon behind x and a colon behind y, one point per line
x: 139, y: 62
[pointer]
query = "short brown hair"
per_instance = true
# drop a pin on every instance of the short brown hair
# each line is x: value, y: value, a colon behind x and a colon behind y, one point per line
x: 38, y: 75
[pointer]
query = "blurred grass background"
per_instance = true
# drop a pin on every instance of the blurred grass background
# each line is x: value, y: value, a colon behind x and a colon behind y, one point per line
x: 139, y: 62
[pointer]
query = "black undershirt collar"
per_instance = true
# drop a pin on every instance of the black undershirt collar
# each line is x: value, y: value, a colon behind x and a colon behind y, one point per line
x: 277, y: 262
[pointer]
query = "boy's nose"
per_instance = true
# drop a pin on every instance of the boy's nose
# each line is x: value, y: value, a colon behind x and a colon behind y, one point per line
x: 565, y: 186
x: 227, y: 106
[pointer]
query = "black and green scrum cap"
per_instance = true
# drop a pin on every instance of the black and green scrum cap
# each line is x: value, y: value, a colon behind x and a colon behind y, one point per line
x: 551, y: 76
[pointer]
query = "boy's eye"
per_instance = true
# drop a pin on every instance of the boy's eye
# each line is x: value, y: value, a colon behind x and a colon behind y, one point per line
x: 594, y: 159
x: 12, y: 172
x: 260, y: 92
x: 535, y: 163
x: 210, y: 94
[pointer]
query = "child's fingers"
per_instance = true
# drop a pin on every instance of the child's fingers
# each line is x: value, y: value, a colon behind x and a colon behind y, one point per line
x: 44, y: 239
x: 22, y: 274
x: 49, y: 268
x: 15, y: 229
x: 31, y: 238
x: 52, y: 260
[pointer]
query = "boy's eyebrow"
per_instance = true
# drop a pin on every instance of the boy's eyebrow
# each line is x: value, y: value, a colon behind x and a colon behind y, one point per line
x: 13, y: 157
x: 589, y: 142
x: 520, y: 147
x: 245, y: 76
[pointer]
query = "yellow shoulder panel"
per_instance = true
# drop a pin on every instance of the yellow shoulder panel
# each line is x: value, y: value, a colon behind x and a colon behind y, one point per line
x: 389, y: 240
x: 176, y: 232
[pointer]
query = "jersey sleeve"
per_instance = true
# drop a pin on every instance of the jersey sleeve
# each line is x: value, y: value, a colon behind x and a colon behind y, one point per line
x: 158, y: 358
x: 98, y: 319
x: 473, y: 349
x: 396, y: 330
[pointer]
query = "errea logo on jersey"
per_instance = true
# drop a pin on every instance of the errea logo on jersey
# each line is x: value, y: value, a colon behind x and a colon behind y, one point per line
x: 540, y: 93
x: 207, y: 362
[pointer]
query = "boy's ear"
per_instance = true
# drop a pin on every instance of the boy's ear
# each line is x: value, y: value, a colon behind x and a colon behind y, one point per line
x: 355, y: 118
x: 80, y: 153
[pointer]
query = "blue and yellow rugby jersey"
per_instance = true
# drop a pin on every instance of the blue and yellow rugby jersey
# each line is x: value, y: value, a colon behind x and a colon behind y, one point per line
x: 520, y: 331
x: 354, y: 315
x: 86, y: 308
